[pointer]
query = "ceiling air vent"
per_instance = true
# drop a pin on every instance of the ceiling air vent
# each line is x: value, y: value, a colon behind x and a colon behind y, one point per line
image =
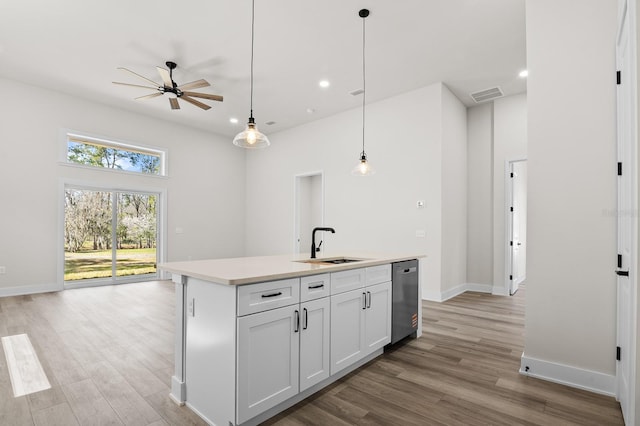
x: 357, y: 92
x: 487, y: 94
x: 270, y: 123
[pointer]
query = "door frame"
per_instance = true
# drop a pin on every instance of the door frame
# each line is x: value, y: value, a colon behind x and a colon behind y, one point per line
x: 161, y: 249
x: 508, y: 202
x: 296, y: 208
x: 627, y: 155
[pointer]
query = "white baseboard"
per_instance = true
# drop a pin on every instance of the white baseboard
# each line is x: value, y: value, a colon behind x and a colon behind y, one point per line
x: 500, y: 291
x: 575, y: 377
x: 22, y: 290
x: 453, y: 292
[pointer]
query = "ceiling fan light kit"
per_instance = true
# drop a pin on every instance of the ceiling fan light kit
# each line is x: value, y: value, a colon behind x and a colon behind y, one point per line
x: 363, y: 168
x: 251, y: 137
x: 172, y: 89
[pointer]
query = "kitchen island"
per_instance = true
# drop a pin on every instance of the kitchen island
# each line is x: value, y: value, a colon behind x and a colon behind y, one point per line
x: 256, y: 335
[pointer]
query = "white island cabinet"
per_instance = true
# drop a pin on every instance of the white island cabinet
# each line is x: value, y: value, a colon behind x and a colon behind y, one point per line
x: 250, y: 347
x: 360, y: 317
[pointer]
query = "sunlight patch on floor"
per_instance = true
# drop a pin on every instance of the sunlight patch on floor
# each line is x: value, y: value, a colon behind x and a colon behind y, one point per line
x: 25, y: 370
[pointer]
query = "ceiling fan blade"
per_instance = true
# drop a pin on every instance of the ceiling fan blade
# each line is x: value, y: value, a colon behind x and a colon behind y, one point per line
x: 194, y: 85
x: 135, y: 85
x: 166, y: 77
x: 140, y: 76
x: 174, y: 103
x: 153, y: 95
x: 194, y: 102
x: 204, y: 96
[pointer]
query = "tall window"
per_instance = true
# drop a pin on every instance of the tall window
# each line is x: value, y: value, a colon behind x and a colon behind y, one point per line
x: 109, y: 235
x: 94, y: 152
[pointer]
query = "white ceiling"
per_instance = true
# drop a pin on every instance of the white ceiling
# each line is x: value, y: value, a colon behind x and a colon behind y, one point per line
x: 75, y: 46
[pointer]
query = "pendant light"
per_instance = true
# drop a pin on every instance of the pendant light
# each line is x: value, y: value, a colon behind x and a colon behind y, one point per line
x: 251, y: 137
x: 363, y: 168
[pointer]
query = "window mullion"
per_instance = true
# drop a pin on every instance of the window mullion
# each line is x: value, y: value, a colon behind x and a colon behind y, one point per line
x: 114, y: 230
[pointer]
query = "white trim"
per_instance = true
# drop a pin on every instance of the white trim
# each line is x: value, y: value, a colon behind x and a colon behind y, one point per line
x: 456, y: 291
x: 21, y: 290
x: 575, y: 377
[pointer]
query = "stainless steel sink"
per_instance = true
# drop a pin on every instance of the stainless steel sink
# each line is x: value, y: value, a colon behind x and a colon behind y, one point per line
x: 333, y: 261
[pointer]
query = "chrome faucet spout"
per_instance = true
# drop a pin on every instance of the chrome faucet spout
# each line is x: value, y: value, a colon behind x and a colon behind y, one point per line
x: 313, y: 239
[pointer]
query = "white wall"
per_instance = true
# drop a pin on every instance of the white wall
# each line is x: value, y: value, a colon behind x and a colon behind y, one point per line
x: 480, y: 194
x: 205, y: 186
x: 571, y: 290
x: 377, y: 213
x: 509, y: 143
x: 497, y: 133
x: 454, y: 192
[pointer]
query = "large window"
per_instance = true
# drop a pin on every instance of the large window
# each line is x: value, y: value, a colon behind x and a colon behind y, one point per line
x: 95, y: 152
x: 109, y: 235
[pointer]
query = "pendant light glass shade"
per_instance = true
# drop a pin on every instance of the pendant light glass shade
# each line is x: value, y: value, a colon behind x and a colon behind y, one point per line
x: 251, y: 137
x: 363, y: 168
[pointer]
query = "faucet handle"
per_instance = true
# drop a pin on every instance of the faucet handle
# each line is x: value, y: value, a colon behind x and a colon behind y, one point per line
x: 318, y: 248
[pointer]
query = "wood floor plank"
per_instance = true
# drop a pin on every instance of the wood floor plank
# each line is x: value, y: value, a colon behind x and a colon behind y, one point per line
x: 57, y: 415
x: 88, y: 404
x: 131, y: 407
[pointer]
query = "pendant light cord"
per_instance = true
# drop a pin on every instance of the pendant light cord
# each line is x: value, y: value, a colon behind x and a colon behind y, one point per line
x: 364, y: 82
x: 253, y: 14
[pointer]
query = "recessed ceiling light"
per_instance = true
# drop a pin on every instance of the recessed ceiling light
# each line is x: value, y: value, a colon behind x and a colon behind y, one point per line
x: 311, y: 110
x: 324, y: 83
x: 233, y: 120
x: 523, y: 73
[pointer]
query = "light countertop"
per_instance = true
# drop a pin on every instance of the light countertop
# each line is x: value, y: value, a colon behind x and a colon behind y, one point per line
x: 248, y: 270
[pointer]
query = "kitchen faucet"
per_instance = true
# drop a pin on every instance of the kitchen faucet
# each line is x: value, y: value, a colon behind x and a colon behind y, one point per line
x: 313, y: 239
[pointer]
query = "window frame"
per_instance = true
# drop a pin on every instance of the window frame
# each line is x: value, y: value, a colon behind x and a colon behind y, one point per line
x: 82, y: 137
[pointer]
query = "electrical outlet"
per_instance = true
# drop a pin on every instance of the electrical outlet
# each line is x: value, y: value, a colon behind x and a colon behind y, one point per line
x: 420, y: 204
x: 3, y: 270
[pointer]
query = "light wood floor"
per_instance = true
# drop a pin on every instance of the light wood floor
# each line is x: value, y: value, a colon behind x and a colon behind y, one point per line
x: 108, y: 353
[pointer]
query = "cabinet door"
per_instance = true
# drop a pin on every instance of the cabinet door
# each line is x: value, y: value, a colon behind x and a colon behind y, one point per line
x: 378, y: 317
x: 268, y: 355
x: 347, y: 329
x: 314, y: 342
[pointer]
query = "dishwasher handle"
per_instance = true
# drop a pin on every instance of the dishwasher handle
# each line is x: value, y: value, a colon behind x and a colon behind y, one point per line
x: 408, y: 270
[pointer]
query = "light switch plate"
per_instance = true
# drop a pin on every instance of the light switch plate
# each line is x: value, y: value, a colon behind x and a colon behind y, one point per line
x: 3, y: 270
x: 420, y: 233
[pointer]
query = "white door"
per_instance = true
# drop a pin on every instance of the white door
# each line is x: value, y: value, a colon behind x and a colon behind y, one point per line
x: 314, y: 342
x: 378, y: 316
x: 347, y: 328
x: 518, y: 224
x: 268, y: 355
x: 627, y: 222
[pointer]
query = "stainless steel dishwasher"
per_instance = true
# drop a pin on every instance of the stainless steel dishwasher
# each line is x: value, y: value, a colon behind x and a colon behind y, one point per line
x: 404, y: 312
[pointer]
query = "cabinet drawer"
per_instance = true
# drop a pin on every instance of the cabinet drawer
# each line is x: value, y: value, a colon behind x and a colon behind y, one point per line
x: 347, y: 280
x: 314, y: 287
x: 378, y: 274
x: 260, y: 297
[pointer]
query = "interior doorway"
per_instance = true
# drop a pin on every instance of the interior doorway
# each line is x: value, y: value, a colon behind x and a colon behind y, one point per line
x: 308, y: 209
x: 516, y: 224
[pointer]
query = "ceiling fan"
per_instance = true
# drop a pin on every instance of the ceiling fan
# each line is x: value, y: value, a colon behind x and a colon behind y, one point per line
x: 172, y: 89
